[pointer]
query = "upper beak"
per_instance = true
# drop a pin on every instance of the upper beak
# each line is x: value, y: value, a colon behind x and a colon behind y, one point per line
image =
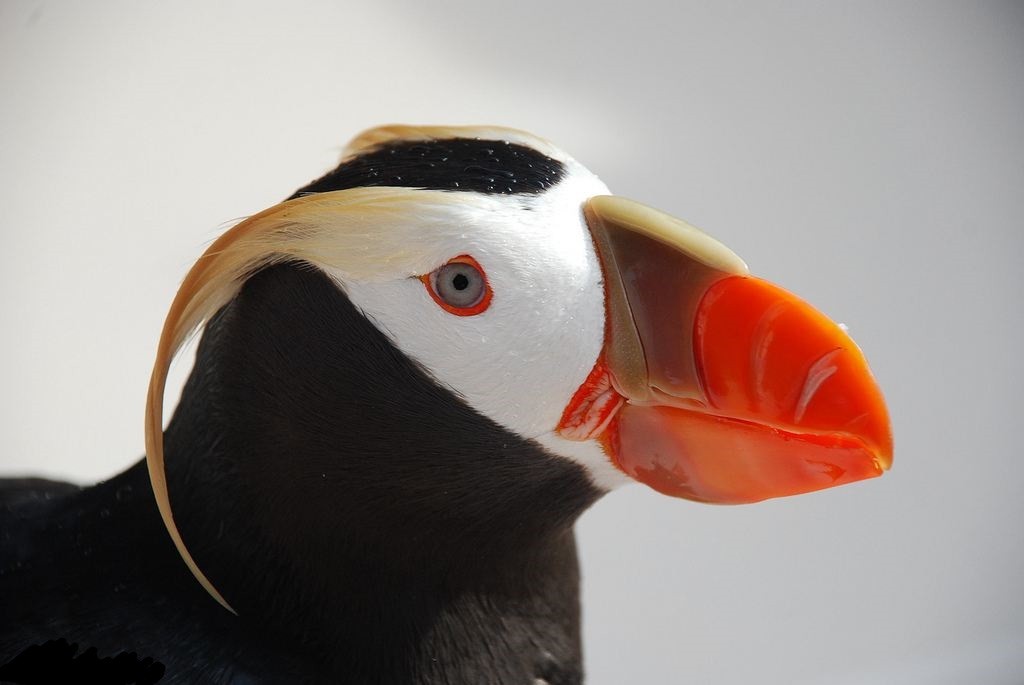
x: 714, y: 385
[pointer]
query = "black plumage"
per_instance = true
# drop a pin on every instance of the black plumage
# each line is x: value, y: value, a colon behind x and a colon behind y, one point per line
x: 494, y: 167
x: 366, y: 524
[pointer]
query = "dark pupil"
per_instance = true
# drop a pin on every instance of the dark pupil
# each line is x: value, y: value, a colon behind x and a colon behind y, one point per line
x: 460, y: 282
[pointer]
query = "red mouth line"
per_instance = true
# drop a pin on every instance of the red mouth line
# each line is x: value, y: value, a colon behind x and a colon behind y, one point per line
x: 596, y: 403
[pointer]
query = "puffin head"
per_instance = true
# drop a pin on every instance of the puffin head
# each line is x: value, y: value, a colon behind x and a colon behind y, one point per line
x: 600, y: 336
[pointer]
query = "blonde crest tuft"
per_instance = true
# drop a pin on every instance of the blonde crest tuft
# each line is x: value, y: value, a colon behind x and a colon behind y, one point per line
x: 392, y: 133
x: 365, y: 233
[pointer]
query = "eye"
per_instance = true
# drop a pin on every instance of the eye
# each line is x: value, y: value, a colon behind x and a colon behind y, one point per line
x: 459, y: 286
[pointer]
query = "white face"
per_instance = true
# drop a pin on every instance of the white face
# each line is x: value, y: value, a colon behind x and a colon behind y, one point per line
x: 519, y: 361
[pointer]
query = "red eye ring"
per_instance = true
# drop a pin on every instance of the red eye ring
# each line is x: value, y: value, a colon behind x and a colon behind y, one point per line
x: 480, y: 305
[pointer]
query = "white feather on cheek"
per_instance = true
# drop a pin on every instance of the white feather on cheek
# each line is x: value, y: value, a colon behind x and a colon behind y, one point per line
x: 520, y: 361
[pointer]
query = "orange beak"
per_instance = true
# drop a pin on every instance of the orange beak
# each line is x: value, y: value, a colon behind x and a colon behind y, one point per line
x: 714, y: 385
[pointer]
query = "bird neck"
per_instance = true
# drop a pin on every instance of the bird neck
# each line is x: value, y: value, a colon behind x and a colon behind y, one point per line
x: 348, y: 505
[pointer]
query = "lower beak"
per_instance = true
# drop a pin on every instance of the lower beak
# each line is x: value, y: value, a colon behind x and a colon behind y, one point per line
x: 714, y: 385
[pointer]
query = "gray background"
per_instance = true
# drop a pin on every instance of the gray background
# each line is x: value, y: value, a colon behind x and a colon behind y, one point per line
x: 868, y: 156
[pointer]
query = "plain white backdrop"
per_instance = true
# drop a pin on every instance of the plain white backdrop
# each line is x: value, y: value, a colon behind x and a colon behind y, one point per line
x: 868, y: 156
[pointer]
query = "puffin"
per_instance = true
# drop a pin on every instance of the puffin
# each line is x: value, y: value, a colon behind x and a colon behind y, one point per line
x: 413, y: 376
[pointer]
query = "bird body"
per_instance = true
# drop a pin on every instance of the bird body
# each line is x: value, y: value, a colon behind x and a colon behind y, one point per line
x: 412, y: 380
x: 379, y: 604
